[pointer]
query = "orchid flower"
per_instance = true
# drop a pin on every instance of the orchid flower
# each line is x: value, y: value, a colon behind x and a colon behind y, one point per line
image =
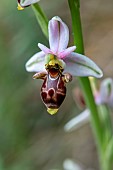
x: 63, y: 59
x: 105, y: 94
x: 25, y: 3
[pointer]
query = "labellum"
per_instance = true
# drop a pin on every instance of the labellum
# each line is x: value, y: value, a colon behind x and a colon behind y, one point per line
x: 53, y: 90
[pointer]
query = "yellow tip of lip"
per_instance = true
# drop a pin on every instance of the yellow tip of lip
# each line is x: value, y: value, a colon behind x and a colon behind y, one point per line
x: 19, y: 7
x: 52, y: 111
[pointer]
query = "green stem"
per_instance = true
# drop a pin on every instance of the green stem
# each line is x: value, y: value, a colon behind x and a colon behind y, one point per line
x: 109, y: 155
x: 106, y: 124
x: 84, y: 82
x: 76, y: 23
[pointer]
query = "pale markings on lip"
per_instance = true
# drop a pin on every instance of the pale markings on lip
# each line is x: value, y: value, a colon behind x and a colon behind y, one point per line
x: 53, y: 78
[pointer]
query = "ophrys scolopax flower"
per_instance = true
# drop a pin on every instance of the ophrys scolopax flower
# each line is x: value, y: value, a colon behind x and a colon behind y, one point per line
x: 58, y: 64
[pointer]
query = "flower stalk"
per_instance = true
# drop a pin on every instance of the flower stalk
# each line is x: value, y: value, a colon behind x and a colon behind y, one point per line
x: 84, y: 82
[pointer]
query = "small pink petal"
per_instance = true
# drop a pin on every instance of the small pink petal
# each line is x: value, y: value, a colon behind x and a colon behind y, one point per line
x: 66, y: 52
x: 44, y: 48
x: 97, y: 98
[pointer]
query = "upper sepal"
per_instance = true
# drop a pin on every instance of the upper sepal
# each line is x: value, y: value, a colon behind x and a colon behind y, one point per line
x: 58, y: 35
x: 36, y: 63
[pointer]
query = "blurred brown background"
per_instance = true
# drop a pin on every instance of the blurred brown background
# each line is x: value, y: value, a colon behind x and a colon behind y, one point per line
x: 31, y: 139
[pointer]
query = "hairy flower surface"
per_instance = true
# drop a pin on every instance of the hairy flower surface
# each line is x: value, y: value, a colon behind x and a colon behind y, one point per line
x: 25, y: 3
x: 105, y: 94
x: 60, y: 61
